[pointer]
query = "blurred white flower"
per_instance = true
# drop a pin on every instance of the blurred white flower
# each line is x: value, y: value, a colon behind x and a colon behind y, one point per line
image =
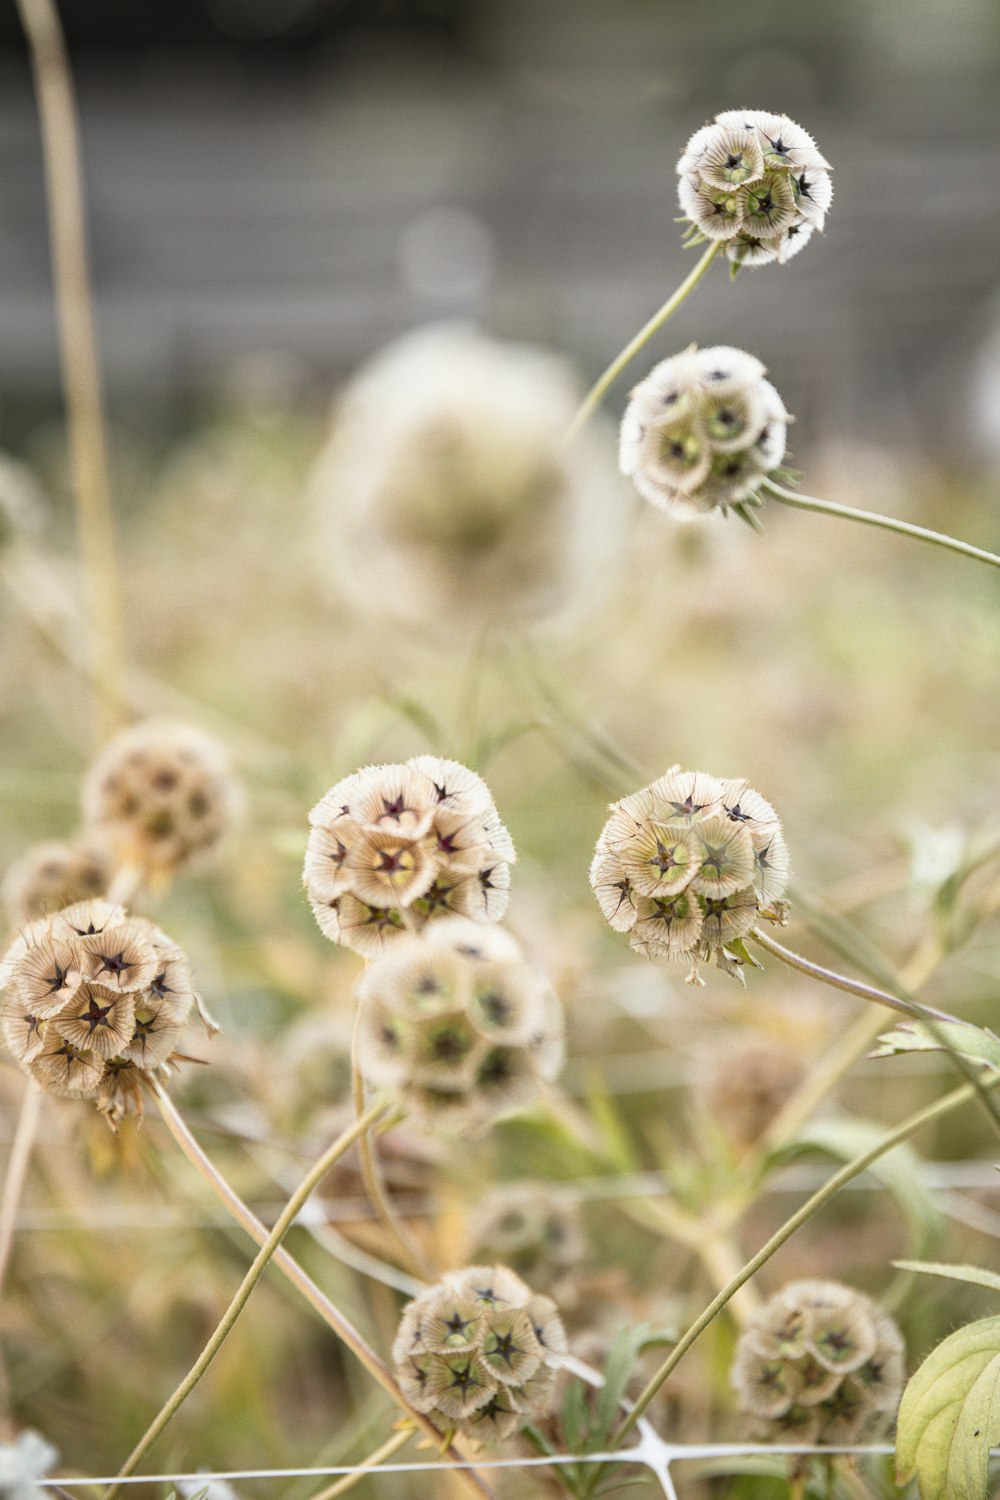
x: 22, y: 1464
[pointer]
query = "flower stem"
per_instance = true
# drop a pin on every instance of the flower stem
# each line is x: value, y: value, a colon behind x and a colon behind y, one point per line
x: 81, y: 376
x: 317, y: 1299
x: 348, y: 1481
x: 17, y: 1169
x: 411, y: 1256
x: 871, y: 518
x: 597, y: 391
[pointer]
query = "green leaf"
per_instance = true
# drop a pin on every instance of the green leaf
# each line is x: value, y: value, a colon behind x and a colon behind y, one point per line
x: 625, y: 1350
x: 973, y: 1042
x: 574, y: 1418
x: 949, y: 1417
x: 973, y: 1274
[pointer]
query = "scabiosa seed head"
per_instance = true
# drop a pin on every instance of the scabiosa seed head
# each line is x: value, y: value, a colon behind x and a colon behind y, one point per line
x: 743, y: 1087
x: 479, y: 1352
x: 531, y: 1231
x: 94, y: 1002
x: 686, y: 865
x: 446, y: 495
x: 819, y: 1363
x: 52, y: 875
x: 161, y: 795
x: 755, y: 182
x: 702, y: 431
x: 392, y: 847
x: 458, y: 1026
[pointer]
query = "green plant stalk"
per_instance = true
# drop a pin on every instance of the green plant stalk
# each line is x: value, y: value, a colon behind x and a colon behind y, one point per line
x: 818, y: 1200
x: 872, y: 518
x: 597, y: 391
x: 317, y: 1299
x: 348, y: 1481
x: 78, y: 348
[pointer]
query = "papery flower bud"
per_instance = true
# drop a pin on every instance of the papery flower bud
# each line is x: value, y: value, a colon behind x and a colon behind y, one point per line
x: 161, y: 795
x: 479, y: 1352
x: 756, y: 182
x: 54, y: 874
x: 686, y: 865
x: 457, y: 1026
x: 94, y: 1004
x: 702, y: 431
x: 393, y: 847
x: 446, y: 494
x: 23, y: 1464
x: 819, y: 1363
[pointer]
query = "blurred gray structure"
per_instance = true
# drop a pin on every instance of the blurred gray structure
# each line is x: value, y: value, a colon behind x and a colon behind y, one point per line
x: 315, y: 186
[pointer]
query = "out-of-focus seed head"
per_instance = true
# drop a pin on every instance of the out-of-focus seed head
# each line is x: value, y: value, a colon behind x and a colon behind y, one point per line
x: 162, y: 796
x: 446, y: 495
x: 757, y: 183
x: 479, y: 1352
x: 456, y: 1025
x: 393, y: 847
x: 23, y: 1464
x: 742, y: 1088
x: 702, y: 431
x: 531, y: 1231
x: 52, y: 875
x: 819, y: 1363
x: 94, y: 1002
x: 686, y: 865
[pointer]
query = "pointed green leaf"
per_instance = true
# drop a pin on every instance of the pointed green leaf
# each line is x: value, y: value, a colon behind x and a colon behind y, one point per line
x: 973, y: 1274
x: 949, y: 1417
x: 973, y: 1042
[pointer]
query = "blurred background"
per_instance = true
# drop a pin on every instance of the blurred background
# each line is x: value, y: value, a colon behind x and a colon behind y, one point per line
x: 276, y: 189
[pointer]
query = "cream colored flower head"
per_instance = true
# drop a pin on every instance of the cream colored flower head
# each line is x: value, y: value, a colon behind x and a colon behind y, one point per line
x: 458, y: 1027
x: 819, y: 1363
x: 394, y: 847
x: 479, y: 1353
x: 93, y: 1002
x: 757, y: 183
x: 702, y: 431
x: 687, y: 865
x: 54, y: 874
x: 447, y: 496
x: 162, y: 795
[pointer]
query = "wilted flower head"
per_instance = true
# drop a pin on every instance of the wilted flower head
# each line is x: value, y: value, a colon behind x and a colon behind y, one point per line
x: 819, y: 1363
x: 744, y: 1087
x: 94, y: 1003
x: 54, y: 874
x: 756, y: 182
x: 702, y: 431
x: 392, y: 847
x: 446, y: 493
x: 531, y: 1231
x: 686, y: 865
x: 479, y: 1352
x: 162, y: 795
x: 458, y: 1026
x: 25, y: 1461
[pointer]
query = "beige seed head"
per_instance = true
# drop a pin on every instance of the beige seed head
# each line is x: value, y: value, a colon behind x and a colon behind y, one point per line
x: 52, y: 875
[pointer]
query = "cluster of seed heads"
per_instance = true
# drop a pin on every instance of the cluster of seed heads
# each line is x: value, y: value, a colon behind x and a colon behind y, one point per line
x: 161, y: 795
x: 702, y: 431
x: 686, y: 865
x: 54, y: 874
x: 756, y: 182
x: 479, y: 1352
x: 392, y: 847
x: 457, y: 1026
x: 95, y: 1001
x: 819, y: 1363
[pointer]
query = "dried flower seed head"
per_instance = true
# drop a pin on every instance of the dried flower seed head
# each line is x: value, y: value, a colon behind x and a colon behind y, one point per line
x: 94, y: 1003
x: 702, y: 431
x: 458, y: 1026
x: 52, y: 875
x: 392, y: 847
x: 686, y: 865
x: 819, y: 1363
x: 742, y: 1088
x: 531, y: 1231
x: 756, y: 182
x: 446, y: 496
x: 479, y: 1352
x: 162, y: 795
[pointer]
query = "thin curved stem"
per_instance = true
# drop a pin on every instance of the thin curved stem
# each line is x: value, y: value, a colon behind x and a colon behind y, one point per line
x: 282, y: 1224
x: 348, y: 1481
x: 872, y: 518
x: 317, y: 1299
x: 408, y: 1251
x: 597, y: 391
x: 822, y: 1196
x: 17, y: 1170
x: 78, y: 346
